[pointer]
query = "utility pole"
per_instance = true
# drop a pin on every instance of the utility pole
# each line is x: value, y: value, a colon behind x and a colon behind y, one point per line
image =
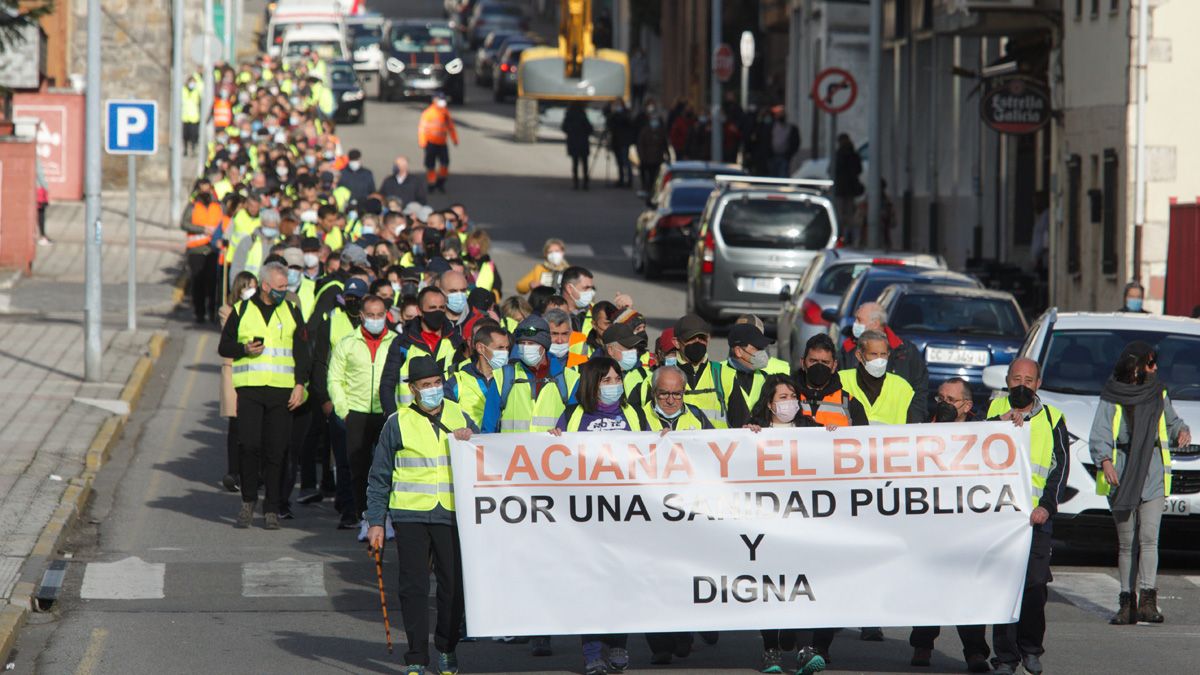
x: 176, y: 124
x: 874, y: 93
x: 1139, y: 160
x: 93, y: 306
x: 714, y: 83
x: 206, y: 100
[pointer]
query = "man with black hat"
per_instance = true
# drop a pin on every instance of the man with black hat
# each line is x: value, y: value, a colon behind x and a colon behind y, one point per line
x: 356, y: 178
x: 410, y: 480
x: 742, y: 379
x: 621, y: 345
x: 703, y: 390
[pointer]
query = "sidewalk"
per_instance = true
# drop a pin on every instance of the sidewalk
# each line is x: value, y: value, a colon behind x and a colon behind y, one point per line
x: 55, y: 429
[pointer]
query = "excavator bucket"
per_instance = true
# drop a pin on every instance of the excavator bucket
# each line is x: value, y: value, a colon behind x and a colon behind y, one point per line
x: 542, y: 75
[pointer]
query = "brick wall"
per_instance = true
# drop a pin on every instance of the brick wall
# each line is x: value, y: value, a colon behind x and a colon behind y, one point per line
x: 18, y: 203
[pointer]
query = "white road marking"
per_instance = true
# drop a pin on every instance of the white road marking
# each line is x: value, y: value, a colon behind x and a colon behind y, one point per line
x: 1194, y: 579
x: 508, y: 245
x: 627, y: 250
x: 580, y: 251
x: 1089, y: 591
x: 115, y: 406
x: 283, y: 578
x: 128, y: 579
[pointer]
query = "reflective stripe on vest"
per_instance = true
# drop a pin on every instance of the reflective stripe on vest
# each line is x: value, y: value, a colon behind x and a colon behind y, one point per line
x: 834, y: 408
x: 422, y: 477
x: 707, y: 396
x: 1164, y: 444
x: 1041, y: 441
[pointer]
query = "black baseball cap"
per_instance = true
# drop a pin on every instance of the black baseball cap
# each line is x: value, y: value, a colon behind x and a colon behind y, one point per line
x: 621, y: 334
x: 744, y: 334
x: 423, y: 367
x: 689, y: 326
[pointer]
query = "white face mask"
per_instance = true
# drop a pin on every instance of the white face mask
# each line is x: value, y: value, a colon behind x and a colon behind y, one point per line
x: 555, y: 258
x: 858, y: 329
x: 354, y: 166
x: 559, y: 350
x: 786, y: 410
x: 311, y: 260
x: 876, y: 367
x: 249, y: 292
x: 585, y: 299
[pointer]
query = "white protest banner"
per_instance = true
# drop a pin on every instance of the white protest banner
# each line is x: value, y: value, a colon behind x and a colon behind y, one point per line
x: 621, y: 532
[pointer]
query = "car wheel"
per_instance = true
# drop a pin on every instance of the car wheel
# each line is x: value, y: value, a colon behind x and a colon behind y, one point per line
x: 649, y: 271
x: 636, y: 258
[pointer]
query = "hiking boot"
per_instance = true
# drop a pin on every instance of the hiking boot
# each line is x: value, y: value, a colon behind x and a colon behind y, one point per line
x: 921, y: 657
x: 230, y: 483
x: 448, y: 663
x: 541, y: 646
x: 978, y: 663
x: 596, y: 667
x: 272, y: 521
x: 618, y: 660
x: 1032, y: 664
x: 1147, y: 606
x: 772, y: 661
x: 245, y: 516
x: 871, y: 635
x: 1127, y: 614
x: 808, y: 661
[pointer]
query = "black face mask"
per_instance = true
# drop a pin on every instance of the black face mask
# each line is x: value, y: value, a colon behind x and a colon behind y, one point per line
x: 695, y: 352
x: 945, y: 412
x: 380, y: 262
x: 1020, y: 397
x: 387, y: 304
x: 434, y: 320
x: 353, y: 306
x: 818, y: 375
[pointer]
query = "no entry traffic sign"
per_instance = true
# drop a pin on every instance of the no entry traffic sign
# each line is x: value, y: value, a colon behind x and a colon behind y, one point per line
x: 723, y: 62
x: 834, y: 90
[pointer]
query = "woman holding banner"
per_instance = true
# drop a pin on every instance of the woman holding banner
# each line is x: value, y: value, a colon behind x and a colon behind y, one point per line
x: 779, y: 406
x: 602, y: 407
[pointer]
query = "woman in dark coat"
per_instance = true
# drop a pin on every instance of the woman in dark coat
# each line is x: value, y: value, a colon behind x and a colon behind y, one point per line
x: 579, y: 130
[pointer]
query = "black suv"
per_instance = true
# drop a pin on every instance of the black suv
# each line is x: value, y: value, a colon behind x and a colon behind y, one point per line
x: 420, y: 58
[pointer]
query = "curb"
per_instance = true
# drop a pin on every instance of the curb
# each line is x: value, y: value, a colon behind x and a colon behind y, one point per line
x: 75, y: 498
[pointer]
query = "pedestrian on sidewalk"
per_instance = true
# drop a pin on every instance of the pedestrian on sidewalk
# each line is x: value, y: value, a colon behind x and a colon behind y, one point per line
x: 266, y: 338
x: 1131, y: 443
x: 201, y: 220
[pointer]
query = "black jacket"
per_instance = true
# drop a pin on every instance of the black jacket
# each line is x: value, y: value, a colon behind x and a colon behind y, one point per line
x: 230, y: 348
x: 360, y: 183
x: 398, y: 353
x: 413, y: 189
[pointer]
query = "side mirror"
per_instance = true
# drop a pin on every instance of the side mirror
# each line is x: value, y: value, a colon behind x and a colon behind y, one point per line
x: 785, y: 293
x: 994, y: 377
x: 829, y: 315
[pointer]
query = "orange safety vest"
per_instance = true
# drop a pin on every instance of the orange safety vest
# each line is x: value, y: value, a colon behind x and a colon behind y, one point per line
x: 222, y: 113
x: 435, y: 124
x: 833, y: 409
x: 208, y: 217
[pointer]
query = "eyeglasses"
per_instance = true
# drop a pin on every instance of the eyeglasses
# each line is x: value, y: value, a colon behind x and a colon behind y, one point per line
x: 667, y: 395
x: 951, y: 401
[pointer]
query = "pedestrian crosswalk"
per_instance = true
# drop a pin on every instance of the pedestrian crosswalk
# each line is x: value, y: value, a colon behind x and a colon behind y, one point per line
x: 575, y: 251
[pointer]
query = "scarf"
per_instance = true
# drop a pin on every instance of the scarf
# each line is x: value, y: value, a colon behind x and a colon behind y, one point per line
x: 1143, y: 406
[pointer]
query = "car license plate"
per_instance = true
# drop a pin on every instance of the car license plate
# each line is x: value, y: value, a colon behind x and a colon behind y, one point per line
x: 423, y: 83
x: 1177, y: 506
x: 960, y: 357
x: 759, y: 284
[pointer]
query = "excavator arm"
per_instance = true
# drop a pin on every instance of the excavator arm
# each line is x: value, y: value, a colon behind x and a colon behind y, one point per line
x: 576, y: 70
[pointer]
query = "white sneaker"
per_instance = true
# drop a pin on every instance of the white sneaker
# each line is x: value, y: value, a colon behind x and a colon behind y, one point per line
x: 44, y: 241
x: 388, y: 532
x: 362, y: 530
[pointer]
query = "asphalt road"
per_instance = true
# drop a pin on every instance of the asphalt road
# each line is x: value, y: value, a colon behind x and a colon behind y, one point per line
x: 157, y: 580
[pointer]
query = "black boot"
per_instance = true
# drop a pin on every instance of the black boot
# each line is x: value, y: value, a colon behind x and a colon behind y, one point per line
x: 1125, y: 615
x: 1147, y: 606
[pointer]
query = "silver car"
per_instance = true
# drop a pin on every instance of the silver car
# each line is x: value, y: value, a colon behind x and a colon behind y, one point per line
x: 822, y: 286
x: 756, y: 236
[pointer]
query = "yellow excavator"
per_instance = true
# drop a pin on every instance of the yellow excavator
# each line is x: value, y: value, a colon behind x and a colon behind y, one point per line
x: 574, y: 71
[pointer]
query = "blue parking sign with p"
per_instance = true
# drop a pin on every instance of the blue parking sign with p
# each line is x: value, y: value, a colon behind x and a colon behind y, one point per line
x: 131, y: 127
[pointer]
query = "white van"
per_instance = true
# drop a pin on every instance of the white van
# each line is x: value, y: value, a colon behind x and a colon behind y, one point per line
x: 292, y: 14
x: 328, y: 42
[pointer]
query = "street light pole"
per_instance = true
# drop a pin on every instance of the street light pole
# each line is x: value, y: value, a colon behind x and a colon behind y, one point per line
x: 206, y: 65
x: 746, y: 47
x: 93, y: 307
x: 176, y: 122
x: 874, y: 161
x: 714, y: 83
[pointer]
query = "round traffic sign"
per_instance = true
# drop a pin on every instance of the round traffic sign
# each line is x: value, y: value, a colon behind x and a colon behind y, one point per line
x: 723, y: 62
x: 834, y: 90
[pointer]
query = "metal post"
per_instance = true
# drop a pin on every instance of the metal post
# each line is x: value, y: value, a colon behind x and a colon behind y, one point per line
x: 745, y: 86
x: 227, y: 29
x: 1139, y: 161
x: 132, y: 284
x: 93, y: 306
x: 874, y: 94
x: 176, y: 122
x: 714, y: 83
x: 206, y: 100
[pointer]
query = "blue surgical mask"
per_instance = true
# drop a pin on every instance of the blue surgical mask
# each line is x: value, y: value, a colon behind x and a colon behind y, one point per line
x: 499, y: 358
x: 269, y: 233
x: 669, y: 416
x: 293, y: 278
x: 611, y: 393
x: 418, y: 250
x: 375, y: 326
x: 559, y: 350
x: 671, y: 361
x: 1133, y: 304
x: 431, y: 397
x: 628, y: 360
x: 531, y: 355
x: 585, y: 299
x: 857, y: 330
x: 456, y: 302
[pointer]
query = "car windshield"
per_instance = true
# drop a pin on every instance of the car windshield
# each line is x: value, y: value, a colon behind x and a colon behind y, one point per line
x: 342, y: 74
x: 957, y: 314
x: 689, y: 199
x: 774, y: 223
x: 364, y: 36
x: 835, y: 280
x: 418, y: 39
x: 325, y: 50
x: 1080, y: 361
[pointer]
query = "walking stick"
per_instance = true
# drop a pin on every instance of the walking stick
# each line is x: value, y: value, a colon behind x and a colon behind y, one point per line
x: 383, y: 597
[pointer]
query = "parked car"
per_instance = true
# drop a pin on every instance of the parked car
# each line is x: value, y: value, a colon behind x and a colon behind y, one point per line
x: 295, y: 14
x: 868, y: 286
x: 756, y: 236
x: 421, y: 58
x: 364, y: 33
x: 504, y: 72
x: 489, y: 15
x: 1076, y: 351
x: 685, y: 169
x: 960, y: 330
x: 348, y: 92
x: 663, y: 234
x: 489, y: 49
x: 822, y: 286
